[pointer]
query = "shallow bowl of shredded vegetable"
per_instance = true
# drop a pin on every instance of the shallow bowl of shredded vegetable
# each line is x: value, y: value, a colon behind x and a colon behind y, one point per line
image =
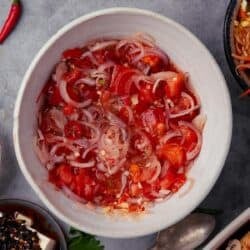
x: 237, y: 41
x: 105, y: 158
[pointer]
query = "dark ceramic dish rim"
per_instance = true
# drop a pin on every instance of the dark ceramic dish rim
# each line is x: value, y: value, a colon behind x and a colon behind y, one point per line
x: 227, y: 46
x: 43, y: 212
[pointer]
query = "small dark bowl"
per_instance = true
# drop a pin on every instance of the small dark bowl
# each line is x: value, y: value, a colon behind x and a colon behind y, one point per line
x: 231, y: 15
x: 38, y: 213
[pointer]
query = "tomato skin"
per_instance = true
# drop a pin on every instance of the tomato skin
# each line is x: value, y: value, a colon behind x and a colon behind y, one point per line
x: 73, y: 130
x: 72, y: 53
x: 174, y: 86
x: 174, y: 153
x: 121, y: 82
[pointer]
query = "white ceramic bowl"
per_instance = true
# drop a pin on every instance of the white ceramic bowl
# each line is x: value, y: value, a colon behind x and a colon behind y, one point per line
x: 188, y: 53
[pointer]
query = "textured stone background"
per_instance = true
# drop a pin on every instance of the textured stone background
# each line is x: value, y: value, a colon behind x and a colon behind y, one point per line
x: 42, y: 18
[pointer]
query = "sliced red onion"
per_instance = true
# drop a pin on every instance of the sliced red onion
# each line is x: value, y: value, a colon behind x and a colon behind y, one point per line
x: 103, y: 45
x: 135, y: 200
x: 100, y: 166
x: 64, y: 94
x: 86, y: 80
x: 192, y: 154
x: 189, y: 97
x: 137, y: 79
x: 56, y: 139
x: 65, y: 145
x: 154, y: 163
x: 61, y: 69
x: 95, y: 132
x: 58, y: 117
x: 158, y: 52
x: 90, y: 55
x: 103, y: 67
x: 145, y: 39
x: 115, y: 120
x: 184, y: 112
x: 88, y: 150
x: 164, y: 75
x: 130, y: 113
x: 84, y: 143
x: 145, y: 146
x: 132, y: 44
x: 156, y: 84
x: 70, y: 194
x: 100, y: 176
x: 164, y: 169
x: 40, y: 135
x: 199, y: 121
x: 77, y: 164
x: 41, y: 152
x: 116, y: 168
x: 124, y: 179
x: 88, y: 115
x: 169, y: 135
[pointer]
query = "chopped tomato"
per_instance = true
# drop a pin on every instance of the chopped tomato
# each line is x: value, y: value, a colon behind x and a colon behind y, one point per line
x: 121, y: 82
x: 74, y: 130
x: 168, y: 179
x: 154, y: 62
x: 178, y: 183
x: 85, y: 185
x: 190, y: 138
x: 135, y: 190
x: 54, y: 96
x: 72, y: 75
x: 72, y: 53
x: 68, y: 109
x: 113, y: 185
x: 64, y: 171
x: 174, y: 86
x: 146, y: 93
x: 48, y: 125
x: 147, y: 174
x: 174, y: 153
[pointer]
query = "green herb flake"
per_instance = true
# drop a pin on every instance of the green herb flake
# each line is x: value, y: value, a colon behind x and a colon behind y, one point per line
x: 101, y: 81
x: 81, y: 241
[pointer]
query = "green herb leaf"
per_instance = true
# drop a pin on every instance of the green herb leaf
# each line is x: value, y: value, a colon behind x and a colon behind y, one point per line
x: 101, y: 81
x: 82, y: 241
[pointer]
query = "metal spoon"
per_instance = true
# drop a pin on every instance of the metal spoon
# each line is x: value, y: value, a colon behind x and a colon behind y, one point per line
x: 187, y: 234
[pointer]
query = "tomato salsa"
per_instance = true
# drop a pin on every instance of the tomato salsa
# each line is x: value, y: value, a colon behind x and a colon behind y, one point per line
x: 119, y: 125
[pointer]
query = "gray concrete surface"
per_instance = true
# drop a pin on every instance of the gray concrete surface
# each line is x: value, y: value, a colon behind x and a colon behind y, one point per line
x: 42, y: 18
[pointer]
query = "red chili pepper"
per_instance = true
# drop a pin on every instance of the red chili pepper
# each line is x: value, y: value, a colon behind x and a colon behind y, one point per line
x: 11, y: 21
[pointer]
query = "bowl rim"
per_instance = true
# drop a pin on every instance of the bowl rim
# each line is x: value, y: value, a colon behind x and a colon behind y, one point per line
x: 46, y: 46
x: 51, y: 220
x: 227, y: 44
x: 230, y: 229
